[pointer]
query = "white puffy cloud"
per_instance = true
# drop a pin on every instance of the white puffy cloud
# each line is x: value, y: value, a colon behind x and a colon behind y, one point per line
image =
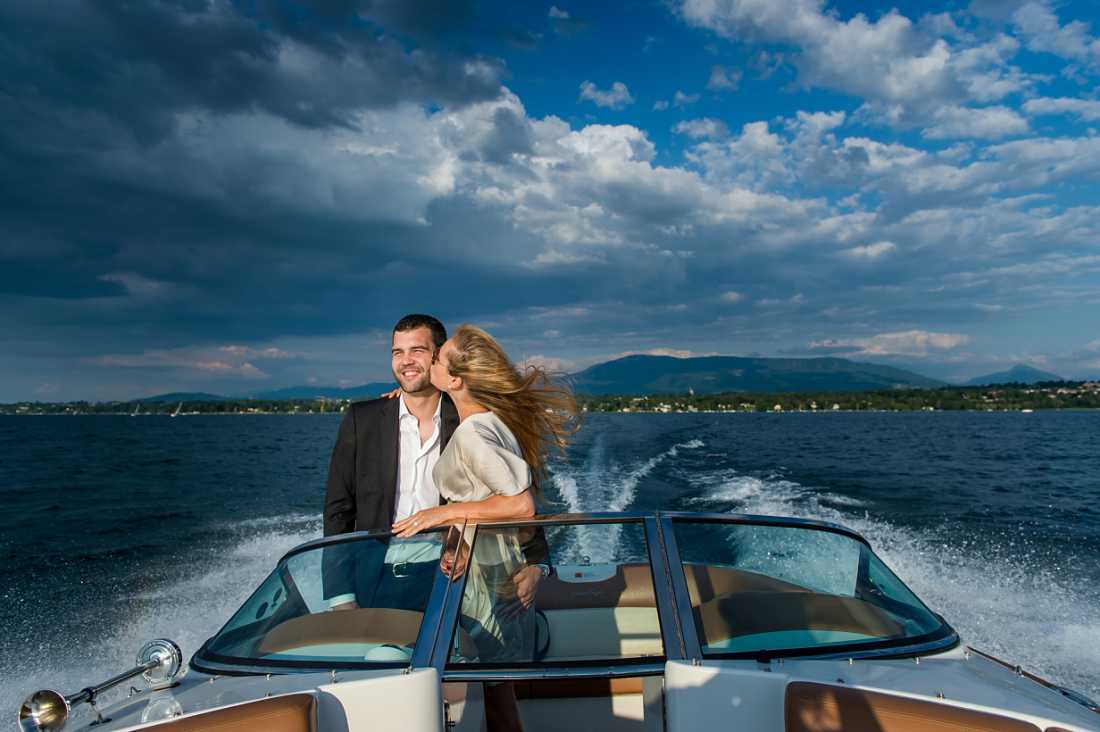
x: 704, y: 128
x: 990, y: 123
x: 1038, y: 24
x: 1086, y: 109
x: 902, y: 70
x: 896, y: 343
x: 388, y: 168
x: 617, y: 97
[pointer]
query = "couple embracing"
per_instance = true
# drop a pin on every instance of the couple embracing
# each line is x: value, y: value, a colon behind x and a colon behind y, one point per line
x: 465, y: 438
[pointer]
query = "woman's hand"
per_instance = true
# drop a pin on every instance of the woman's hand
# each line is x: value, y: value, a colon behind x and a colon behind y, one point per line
x: 429, y: 518
x: 391, y: 394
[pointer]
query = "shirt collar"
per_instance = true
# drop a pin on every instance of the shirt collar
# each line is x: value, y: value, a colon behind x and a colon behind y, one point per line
x: 403, y: 410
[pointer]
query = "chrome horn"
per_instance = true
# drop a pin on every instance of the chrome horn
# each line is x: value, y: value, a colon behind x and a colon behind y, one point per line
x: 158, y: 661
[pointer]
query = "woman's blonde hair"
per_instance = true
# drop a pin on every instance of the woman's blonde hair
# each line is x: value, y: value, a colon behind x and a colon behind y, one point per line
x: 539, y: 410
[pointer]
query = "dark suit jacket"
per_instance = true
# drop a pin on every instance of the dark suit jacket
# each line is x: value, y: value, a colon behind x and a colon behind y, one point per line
x: 362, y: 475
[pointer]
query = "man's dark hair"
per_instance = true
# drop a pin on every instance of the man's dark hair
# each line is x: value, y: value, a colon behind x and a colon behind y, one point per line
x: 416, y: 320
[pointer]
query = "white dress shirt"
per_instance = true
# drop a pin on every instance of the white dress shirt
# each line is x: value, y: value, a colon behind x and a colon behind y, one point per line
x: 415, y: 486
x: 415, y: 490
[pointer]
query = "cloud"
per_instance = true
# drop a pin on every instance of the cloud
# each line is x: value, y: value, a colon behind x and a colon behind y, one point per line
x: 1086, y: 109
x: 705, y: 128
x: 558, y: 13
x: 142, y: 288
x: 217, y: 362
x: 1037, y: 23
x: 683, y: 99
x: 660, y: 105
x: 617, y: 97
x: 731, y: 297
x: 552, y: 364
x: 209, y: 56
x: 724, y: 78
x: 871, y: 252
x: 898, y: 67
x: 247, y: 352
x: 572, y: 311
x: 900, y: 343
x: 672, y: 352
x: 255, y: 222
x: 988, y: 123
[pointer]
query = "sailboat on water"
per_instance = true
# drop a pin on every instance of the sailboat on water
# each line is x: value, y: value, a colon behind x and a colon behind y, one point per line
x: 137, y: 410
x: 178, y: 408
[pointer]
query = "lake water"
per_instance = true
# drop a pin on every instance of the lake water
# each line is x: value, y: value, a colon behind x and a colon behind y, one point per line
x: 115, y: 530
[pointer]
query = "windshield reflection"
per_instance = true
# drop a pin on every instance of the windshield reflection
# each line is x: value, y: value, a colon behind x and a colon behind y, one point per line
x: 355, y: 601
x: 768, y: 588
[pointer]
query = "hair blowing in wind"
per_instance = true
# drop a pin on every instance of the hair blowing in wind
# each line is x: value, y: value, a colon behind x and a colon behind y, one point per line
x: 539, y: 410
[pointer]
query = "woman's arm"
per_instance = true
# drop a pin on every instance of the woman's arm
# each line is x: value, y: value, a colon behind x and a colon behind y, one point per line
x: 496, y: 507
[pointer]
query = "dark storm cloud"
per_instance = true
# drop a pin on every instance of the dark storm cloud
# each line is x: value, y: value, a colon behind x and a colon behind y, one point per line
x: 138, y: 63
x: 93, y: 90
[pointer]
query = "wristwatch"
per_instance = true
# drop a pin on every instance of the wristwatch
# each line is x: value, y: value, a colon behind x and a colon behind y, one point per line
x: 546, y: 569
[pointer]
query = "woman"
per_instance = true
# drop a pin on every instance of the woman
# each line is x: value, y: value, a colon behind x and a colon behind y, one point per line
x: 508, y: 420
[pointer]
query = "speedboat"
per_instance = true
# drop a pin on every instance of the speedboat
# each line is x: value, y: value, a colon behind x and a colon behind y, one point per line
x: 624, y: 621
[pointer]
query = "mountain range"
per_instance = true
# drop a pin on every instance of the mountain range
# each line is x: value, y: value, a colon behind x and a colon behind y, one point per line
x: 712, y: 374
x: 663, y: 375
x: 366, y: 391
x: 1018, y: 374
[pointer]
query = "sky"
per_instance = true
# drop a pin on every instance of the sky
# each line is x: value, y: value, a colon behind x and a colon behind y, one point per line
x: 234, y: 197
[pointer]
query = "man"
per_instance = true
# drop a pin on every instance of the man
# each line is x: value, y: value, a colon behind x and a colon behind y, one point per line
x: 381, y: 468
x: 381, y: 472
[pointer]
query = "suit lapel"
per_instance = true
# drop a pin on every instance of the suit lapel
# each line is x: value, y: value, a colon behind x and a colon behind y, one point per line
x: 390, y: 446
x: 448, y: 418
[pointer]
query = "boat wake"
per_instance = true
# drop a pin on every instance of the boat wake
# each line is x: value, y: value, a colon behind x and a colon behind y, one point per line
x: 607, y: 486
x: 188, y: 610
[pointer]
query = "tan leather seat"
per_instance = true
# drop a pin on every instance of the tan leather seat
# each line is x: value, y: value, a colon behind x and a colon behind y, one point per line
x: 632, y: 586
x: 764, y: 612
x: 706, y: 582
x: 362, y: 625
x: 812, y: 707
x: 291, y: 713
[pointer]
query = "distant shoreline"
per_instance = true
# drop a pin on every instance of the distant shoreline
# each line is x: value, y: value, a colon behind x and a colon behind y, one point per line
x: 1057, y: 396
x: 633, y: 411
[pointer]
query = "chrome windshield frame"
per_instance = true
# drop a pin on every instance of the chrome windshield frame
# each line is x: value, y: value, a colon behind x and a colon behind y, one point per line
x: 678, y: 630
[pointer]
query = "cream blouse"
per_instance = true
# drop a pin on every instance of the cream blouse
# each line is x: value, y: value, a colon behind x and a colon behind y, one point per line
x: 481, y: 459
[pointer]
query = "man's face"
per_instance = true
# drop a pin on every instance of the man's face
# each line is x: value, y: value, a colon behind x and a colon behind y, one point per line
x: 411, y: 359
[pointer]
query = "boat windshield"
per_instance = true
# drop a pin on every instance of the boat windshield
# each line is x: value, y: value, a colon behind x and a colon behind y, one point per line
x: 357, y: 602
x: 762, y: 590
